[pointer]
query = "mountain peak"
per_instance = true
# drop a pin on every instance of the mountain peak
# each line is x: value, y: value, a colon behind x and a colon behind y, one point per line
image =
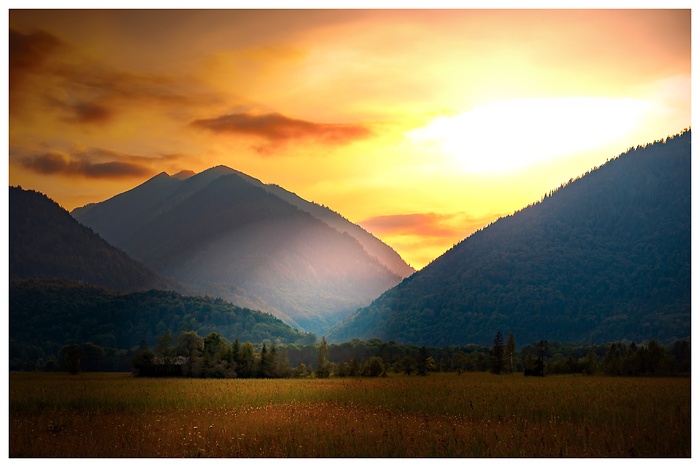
x: 184, y: 174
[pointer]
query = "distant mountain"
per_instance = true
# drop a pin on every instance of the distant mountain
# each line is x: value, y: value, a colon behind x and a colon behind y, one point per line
x: 47, y: 314
x: 604, y: 258
x: 229, y: 235
x: 46, y: 242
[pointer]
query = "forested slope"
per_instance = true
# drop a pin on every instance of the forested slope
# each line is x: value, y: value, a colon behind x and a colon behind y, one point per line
x: 48, y: 314
x: 604, y: 258
x: 46, y: 242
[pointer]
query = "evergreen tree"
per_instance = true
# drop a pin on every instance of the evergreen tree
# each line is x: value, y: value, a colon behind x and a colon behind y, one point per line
x: 263, y: 370
x: 236, y: 352
x: 323, y: 367
x: 497, y: 354
x: 509, y: 353
x: 612, y: 361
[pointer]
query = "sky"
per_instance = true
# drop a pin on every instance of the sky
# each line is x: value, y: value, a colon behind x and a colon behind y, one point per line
x: 422, y: 126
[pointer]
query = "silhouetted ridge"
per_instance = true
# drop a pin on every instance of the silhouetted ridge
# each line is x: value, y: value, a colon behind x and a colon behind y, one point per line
x: 46, y: 242
x: 605, y: 257
x: 229, y: 235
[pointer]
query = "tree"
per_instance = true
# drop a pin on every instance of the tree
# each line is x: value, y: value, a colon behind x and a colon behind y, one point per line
x: 422, y: 363
x: 143, y: 363
x: 190, y: 345
x: 246, y: 361
x: 322, y: 366
x: 373, y: 367
x: 266, y: 365
x: 71, y: 355
x: 497, y: 354
x: 236, y: 352
x: 282, y: 364
x: 460, y: 361
x: 536, y: 368
x: 408, y: 365
x: 589, y: 365
x: 612, y: 361
x: 353, y: 367
x: 509, y: 353
x: 164, y: 346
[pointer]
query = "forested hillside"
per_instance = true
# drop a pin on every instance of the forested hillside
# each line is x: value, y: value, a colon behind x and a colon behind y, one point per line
x: 46, y: 242
x: 604, y: 258
x: 45, y: 315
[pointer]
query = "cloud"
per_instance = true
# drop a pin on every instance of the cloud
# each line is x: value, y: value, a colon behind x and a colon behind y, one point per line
x: 427, y: 225
x: 28, y: 55
x: 83, y: 164
x: 278, y: 129
x: 53, y: 74
x: 28, y: 52
x: 424, y: 224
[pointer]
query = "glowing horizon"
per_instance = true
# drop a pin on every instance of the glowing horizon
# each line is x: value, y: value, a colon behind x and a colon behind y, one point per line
x: 420, y: 125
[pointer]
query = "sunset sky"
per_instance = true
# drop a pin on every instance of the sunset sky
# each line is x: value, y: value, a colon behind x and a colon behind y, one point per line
x: 421, y: 126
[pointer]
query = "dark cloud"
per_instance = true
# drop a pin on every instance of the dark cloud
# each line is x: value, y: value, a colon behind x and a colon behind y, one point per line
x: 46, y: 68
x: 56, y: 163
x: 28, y: 55
x: 279, y: 129
x: 88, y: 112
x: 28, y: 52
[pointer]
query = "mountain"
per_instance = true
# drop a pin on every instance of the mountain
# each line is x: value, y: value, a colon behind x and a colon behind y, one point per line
x: 227, y: 234
x: 604, y: 258
x: 46, y: 242
x: 47, y: 314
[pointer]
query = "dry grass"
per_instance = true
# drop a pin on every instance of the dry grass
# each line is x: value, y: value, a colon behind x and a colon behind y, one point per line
x: 472, y: 415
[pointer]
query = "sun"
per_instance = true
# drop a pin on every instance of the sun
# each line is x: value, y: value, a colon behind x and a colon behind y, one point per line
x: 511, y: 134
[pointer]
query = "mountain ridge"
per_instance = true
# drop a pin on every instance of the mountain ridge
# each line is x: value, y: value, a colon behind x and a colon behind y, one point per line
x: 45, y: 241
x: 222, y: 232
x: 605, y: 257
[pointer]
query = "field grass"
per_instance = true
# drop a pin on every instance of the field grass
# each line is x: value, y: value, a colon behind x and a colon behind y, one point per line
x: 441, y: 415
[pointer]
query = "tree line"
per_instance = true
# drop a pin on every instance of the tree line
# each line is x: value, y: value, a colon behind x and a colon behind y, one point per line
x: 191, y: 355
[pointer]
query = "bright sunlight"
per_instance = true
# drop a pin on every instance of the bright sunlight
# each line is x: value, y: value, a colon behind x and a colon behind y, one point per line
x: 507, y: 135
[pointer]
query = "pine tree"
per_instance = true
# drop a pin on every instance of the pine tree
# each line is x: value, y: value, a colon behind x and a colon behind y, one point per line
x: 510, y: 353
x: 497, y: 354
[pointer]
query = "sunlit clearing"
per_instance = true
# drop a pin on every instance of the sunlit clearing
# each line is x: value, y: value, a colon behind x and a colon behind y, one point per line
x: 508, y: 135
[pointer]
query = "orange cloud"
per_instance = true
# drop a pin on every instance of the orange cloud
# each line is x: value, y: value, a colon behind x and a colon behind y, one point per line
x: 79, y: 164
x: 279, y: 129
x: 422, y: 237
x: 453, y: 226
x: 430, y: 224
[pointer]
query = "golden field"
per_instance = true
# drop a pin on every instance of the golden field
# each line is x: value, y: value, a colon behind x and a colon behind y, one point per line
x: 441, y: 415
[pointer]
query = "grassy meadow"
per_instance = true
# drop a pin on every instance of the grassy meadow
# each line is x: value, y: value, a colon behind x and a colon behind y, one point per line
x: 441, y: 415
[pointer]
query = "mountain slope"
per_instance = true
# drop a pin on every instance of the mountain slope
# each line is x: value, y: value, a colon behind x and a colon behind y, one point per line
x: 604, y: 258
x: 47, y: 314
x: 372, y: 245
x: 46, y: 242
x: 228, y: 235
